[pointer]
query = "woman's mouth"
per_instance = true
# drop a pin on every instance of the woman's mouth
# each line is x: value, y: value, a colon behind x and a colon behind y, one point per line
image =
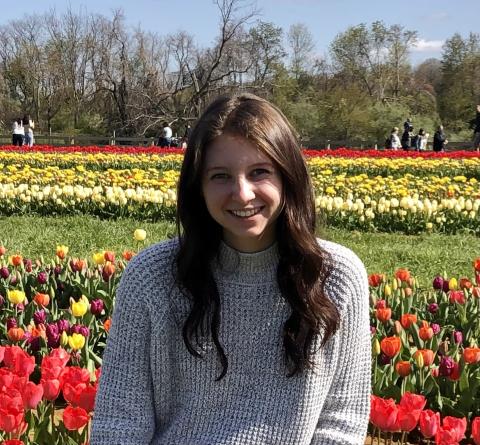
x: 246, y: 213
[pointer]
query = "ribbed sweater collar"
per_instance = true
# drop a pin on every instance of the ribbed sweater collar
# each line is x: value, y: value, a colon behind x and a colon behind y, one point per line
x: 254, y: 267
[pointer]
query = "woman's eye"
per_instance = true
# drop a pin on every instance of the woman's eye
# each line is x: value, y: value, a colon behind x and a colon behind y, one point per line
x: 260, y: 172
x: 219, y: 177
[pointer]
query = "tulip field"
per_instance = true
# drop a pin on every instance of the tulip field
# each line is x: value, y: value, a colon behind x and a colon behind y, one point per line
x: 55, y: 309
x: 359, y: 191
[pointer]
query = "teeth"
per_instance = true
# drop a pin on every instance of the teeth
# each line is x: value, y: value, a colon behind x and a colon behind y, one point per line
x: 245, y: 213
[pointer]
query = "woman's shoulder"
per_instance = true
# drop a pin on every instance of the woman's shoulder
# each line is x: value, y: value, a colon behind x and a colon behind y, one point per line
x: 153, y: 264
x: 347, y: 271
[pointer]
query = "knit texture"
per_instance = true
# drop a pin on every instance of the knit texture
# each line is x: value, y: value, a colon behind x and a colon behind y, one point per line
x: 153, y: 391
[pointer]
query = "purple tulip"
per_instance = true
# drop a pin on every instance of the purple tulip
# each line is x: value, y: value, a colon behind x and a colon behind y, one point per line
x: 96, y: 307
x: 11, y: 323
x: 84, y: 331
x: 63, y: 325
x: 433, y: 308
x: 20, y: 307
x: 39, y: 317
x: 34, y: 343
x: 438, y: 283
x: 435, y: 328
x: 13, y: 280
x: 4, y: 272
x: 58, y: 269
x: 446, y: 366
x: 373, y: 330
x: 42, y: 277
x: 52, y: 330
x: 446, y: 286
x: 458, y: 337
x: 27, y: 263
x: 384, y: 359
x: 53, y: 342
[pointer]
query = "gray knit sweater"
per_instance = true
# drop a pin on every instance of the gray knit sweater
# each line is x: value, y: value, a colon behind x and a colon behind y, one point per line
x: 153, y: 391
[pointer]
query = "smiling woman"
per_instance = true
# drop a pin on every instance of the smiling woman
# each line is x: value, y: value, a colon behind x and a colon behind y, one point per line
x: 246, y: 329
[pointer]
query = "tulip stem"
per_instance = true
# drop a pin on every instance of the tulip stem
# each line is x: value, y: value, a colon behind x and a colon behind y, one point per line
x: 379, y: 436
x: 402, y: 440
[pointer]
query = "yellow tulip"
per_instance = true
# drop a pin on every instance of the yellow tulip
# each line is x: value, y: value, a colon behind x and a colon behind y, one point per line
x: 387, y: 290
x: 76, y: 341
x: 16, y: 296
x: 62, y: 251
x: 140, y: 234
x: 376, y: 347
x: 452, y: 284
x: 79, y: 308
x: 98, y: 258
x: 64, y: 339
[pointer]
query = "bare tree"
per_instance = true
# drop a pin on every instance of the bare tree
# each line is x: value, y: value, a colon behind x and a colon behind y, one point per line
x: 301, y: 45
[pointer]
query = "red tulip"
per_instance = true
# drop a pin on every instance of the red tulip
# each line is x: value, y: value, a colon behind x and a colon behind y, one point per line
x: 74, y: 375
x: 425, y: 332
x: 413, y: 401
x: 456, y: 296
x: 74, y: 418
x: 31, y: 395
x: 375, y: 279
x: 476, y: 430
x: 11, y: 410
x: 402, y: 274
x: 455, y: 374
x: 407, y: 419
x: 429, y: 422
x: 454, y: 428
x: 13, y: 442
x: 51, y: 388
x: 384, y: 413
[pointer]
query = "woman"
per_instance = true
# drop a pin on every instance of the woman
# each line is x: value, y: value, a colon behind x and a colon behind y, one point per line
x: 28, y: 126
x: 245, y: 329
x: 395, y: 140
x: 18, y: 132
x: 439, y: 140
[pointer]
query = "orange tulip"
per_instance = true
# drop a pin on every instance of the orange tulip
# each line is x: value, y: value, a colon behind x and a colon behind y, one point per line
x: 407, y: 320
x: 390, y: 346
x: 425, y: 332
x: 403, y: 368
x: 2, y: 250
x: 465, y: 283
x: 128, y: 255
x: 402, y: 274
x: 383, y: 314
x: 41, y: 299
x: 476, y: 264
x: 16, y: 260
x: 476, y: 292
x: 471, y: 355
x: 15, y: 334
x: 107, y: 324
x: 427, y: 355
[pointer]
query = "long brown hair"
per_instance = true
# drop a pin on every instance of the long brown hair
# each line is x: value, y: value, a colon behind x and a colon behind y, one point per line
x: 302, y: 268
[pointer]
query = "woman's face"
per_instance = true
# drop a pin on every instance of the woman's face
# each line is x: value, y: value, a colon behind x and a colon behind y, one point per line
x: 242, y: 189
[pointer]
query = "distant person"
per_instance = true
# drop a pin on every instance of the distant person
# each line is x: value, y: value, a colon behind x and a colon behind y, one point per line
x: 407, y: 125
x: 407, y: 138
x: 28, y: 126
x: 476, y: 131
x: 186, y: 135
x: 18, y: 132
x: 439, y: 140
x: 393, y: 141
x: 422, y: 140
x: 166, y: 138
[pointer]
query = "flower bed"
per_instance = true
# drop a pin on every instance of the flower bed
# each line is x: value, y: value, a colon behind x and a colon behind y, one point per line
x: 55, y: 317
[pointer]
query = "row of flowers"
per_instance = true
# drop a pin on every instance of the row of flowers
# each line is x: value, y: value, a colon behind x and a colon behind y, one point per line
x: 165, y: 159
x: 340, y: 152
x: 400, y: 212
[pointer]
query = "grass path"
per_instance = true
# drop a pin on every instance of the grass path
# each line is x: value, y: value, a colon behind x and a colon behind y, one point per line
x: 425, y: 255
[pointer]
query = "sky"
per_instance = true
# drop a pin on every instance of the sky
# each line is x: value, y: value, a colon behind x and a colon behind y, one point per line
x: 434, y: 21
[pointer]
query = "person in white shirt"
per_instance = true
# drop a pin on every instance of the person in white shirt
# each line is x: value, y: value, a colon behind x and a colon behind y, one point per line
x: 18, y: 132
x: 395, y: 140
x: 166, y: 139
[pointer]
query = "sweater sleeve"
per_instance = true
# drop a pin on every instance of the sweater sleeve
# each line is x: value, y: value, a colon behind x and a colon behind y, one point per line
x: 345, y: 414
x: 124, y: 407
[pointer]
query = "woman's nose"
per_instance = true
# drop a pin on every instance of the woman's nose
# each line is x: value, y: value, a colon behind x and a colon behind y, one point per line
x: 243, y: 190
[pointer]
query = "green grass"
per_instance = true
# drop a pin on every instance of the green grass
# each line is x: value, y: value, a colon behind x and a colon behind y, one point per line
x: 425, y: 255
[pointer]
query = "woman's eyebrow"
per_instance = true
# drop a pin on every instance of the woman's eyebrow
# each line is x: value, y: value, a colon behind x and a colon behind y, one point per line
x: 255, y: 165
